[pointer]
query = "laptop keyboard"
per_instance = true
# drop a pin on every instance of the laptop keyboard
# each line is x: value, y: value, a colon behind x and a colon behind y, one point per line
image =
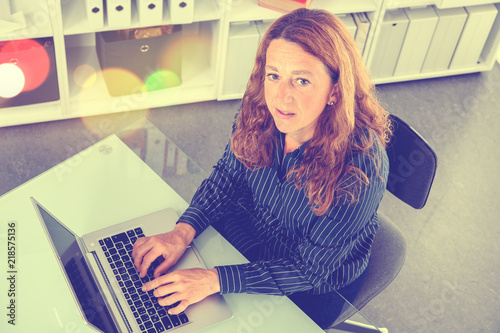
x: 149, y: 314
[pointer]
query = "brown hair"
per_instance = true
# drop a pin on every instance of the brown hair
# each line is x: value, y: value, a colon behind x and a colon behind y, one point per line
x: 341, y: 128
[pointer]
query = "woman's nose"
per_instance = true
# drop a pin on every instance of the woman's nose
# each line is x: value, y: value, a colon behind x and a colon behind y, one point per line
x: 284, y: 94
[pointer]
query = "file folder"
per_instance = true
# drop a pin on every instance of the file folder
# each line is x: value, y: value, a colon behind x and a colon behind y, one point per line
x: 95, y: 13
x: 444, y: 42
x: 421, y: 26
x: 181, y: 11
x: 119, y: 13
x: 150, y: 12
x: 392, y: 33
x: 477, y: 28
x: 362, y: 30
x: 242, y: 44
x: 348, y: 20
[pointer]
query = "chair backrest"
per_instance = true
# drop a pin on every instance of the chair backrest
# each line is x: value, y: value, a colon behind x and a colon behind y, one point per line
x: 412, y: 164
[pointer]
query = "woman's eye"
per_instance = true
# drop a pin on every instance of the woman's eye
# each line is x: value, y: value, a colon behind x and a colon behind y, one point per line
x: 303, y: 82
x: 272, y: 76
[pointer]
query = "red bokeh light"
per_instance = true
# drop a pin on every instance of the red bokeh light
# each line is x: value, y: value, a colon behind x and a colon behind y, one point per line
x: 30, y: 57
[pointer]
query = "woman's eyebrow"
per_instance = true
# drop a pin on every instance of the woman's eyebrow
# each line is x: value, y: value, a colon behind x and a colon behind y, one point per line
x: 296, y: 72
x: 303, y: 72
x: 272, y: 68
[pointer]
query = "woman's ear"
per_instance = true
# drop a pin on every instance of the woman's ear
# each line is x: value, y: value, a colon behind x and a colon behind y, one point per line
x: 333, y: 96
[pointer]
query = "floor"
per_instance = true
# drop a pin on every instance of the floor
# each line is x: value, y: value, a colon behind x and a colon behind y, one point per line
x: 450, y: 281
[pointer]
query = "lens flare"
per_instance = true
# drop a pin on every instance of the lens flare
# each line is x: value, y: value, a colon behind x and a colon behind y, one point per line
x: 162, y: 79
x: 122, y: 82
x: 85, y: 76
x: 11, y: 80
x: 127, y: 106
x: 30, y: 57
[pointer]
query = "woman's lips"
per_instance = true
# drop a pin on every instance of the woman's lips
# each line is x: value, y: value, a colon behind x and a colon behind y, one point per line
x: 284, y: 114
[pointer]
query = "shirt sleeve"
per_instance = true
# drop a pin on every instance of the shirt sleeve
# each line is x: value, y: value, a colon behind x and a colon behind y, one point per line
x: 216, y: 193
x: 332, y: 241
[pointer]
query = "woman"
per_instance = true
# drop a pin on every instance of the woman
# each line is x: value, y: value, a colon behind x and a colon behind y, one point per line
x: 297, y: 189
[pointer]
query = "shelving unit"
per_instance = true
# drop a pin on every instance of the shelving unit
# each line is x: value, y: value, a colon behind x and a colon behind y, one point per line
x: 485, y: 62
x: 204, y: 52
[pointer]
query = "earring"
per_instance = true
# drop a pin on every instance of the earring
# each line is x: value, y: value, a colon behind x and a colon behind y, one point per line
x: 331, y: 103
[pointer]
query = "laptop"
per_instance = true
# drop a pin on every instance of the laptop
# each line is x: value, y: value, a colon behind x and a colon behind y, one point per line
x: 105, y: 285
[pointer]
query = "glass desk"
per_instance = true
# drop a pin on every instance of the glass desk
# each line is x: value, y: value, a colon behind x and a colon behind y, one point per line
x: 130, y: 174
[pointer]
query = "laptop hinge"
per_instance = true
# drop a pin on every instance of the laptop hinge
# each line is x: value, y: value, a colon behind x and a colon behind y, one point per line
x: 108, y: 292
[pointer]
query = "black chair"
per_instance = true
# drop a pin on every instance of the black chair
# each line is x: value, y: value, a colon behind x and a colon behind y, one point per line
x: 412, y: 166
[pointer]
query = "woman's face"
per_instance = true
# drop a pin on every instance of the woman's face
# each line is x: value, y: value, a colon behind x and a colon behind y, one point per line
x: 297, y: 89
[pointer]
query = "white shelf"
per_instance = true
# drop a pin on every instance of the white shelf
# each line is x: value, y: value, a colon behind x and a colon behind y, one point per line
x: 430, y: 75
x: 33, y: 113
x: 75, y: 20
x: 37, y: 17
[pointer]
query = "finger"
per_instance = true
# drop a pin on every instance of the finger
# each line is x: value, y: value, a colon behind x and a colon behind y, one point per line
x: 147, y: 260
x: 153, y: 284
x: 163, y: 267
x: 138, y: 242
x: 141, y: 247
x: 179, y: 308
x: 170, y: 299
x: 165, y: 291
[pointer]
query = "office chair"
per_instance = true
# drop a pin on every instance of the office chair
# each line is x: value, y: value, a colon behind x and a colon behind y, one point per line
x: 412, y: 166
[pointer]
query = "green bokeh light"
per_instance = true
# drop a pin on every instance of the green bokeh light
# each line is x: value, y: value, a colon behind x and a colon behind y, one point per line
x: 162, y: 79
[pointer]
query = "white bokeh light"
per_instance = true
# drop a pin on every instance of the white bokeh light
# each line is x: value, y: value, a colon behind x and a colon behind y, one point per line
x: 11, y: 80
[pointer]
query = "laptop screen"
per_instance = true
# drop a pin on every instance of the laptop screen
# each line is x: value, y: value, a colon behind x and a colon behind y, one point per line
x: 78, y: 274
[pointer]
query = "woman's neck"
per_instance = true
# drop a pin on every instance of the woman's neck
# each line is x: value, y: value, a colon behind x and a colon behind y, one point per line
x: 290, y: 144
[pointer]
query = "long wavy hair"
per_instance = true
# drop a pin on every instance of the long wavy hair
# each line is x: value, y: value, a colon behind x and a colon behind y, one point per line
x: 342, y: 129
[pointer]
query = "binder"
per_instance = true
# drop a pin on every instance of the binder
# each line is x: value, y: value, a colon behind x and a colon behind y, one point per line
x: 422, y: 23
x: 448, y: 30
x: 150, y: 12
x: 95, y: 13
x: 181, y: 11
x: 242, y: 44
x: 477, y: 28
x: 392, y: 33
x: 348, y: 20
x: 362, y: 30
x: 119, y: 13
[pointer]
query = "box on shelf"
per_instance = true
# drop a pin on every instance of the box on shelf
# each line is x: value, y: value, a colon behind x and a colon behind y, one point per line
x: 362, y: 29
x: 95, y: 13
x: 181, y: 11
x: 242, y: 45
x: 474, y: 35
x: 422, y: 23
x: 444, y: 42
x: 387, y: 48
x: 152, y: 54
x: 28, y: 72
x: 150, y: 11
x: 119, y: 13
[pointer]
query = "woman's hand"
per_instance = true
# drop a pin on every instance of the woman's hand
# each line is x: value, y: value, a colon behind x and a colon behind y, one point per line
x: 187, y: 286
x: 170, y: 245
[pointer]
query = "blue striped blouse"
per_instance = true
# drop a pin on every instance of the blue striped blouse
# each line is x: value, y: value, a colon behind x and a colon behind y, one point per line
x: 297, y: 250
